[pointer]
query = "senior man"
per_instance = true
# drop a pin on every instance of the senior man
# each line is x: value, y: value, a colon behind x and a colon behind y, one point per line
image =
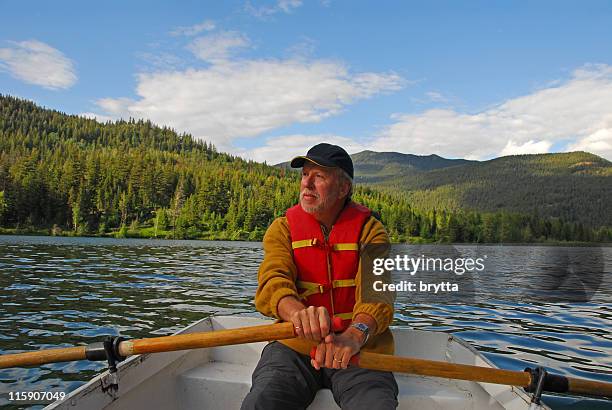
x: 311, y: 272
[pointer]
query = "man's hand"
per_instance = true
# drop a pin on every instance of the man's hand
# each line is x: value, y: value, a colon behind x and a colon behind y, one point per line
x: 311, y: 323
x: 336, y: 350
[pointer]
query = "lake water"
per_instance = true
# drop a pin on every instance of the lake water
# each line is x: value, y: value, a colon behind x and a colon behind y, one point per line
x: 523, y: 310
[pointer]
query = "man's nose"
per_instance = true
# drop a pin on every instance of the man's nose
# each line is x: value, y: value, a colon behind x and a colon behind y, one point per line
x: 307, y: 181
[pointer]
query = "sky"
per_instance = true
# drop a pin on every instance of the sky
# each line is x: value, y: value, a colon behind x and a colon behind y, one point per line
x: 266, y: 80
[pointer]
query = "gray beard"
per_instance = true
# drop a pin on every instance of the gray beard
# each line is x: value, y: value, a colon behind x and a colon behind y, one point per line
x: 324, y: 205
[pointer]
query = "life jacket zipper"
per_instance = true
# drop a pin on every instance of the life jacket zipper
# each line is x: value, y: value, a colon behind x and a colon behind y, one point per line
x: 329, y: 278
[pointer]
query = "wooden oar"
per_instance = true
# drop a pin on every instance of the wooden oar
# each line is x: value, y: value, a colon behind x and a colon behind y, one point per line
x: 526, y: 379
x: 95, y: 351
x: 283, y: 331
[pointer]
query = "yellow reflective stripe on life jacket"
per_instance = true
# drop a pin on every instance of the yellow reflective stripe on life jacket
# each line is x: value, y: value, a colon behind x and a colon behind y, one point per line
x: 303, y: 243
x: 343, y: 283
x: 344, y: 316
x: 346, y: 246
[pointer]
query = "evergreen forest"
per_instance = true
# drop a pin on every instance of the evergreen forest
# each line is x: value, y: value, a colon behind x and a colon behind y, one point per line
x: 68, y: 175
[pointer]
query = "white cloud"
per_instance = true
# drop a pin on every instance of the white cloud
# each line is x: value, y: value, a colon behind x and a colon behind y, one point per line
x: 282, y: 149
x: 206, y: 25
x: 600, y: 143
x: 529, y: 147
x: 38, y: 63
x: 303, y: 49
x: 115, y: 106
x: 435, y: 96
x: 97, y: 117
x: 247, y: 98
x: 161, y: 60
x: 218, y: 47
x: 284, y: 6
x: 572, y: 111
x: 288, y: 5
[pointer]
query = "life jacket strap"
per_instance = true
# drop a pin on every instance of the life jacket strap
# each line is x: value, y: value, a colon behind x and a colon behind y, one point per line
x: 312, y: 288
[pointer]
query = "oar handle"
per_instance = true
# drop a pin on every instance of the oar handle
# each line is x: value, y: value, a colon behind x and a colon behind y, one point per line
x: 354, y: 361
x: 336, y: 326
x: 336, y: 323
x: 423, y: 367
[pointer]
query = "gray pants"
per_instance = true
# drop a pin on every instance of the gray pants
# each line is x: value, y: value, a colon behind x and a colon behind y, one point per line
x: 285, y: 380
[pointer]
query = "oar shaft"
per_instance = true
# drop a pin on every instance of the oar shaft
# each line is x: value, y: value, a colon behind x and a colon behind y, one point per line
x: 423, y: 367
x: 41, y: 357
x: 127, y: 348
x: 250, y: 334
x: 555, y: 383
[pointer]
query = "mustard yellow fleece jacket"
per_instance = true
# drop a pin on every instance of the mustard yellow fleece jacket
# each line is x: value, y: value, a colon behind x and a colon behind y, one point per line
x: 277, y: 276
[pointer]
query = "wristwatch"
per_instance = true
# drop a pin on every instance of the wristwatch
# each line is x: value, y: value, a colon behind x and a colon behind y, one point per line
x: 364, y: 329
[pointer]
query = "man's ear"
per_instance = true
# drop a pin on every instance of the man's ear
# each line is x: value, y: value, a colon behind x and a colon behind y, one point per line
x: 345, y: 188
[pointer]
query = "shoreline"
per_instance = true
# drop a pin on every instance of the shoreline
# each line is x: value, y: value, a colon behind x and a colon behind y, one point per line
x: 223, y: 236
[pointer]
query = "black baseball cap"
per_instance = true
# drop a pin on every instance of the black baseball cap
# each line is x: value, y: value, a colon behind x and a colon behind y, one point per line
x: 326, y: 155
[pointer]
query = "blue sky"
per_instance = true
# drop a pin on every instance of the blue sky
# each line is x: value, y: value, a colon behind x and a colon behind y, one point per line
x: 267, y: 79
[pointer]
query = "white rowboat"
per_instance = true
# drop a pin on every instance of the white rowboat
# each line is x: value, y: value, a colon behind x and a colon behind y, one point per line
x: 220, y: 377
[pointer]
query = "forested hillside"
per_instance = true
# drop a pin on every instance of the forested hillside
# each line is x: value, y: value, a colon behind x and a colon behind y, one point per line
x: 575, y: 186
x: 372, y: 167
x: 63, y: 174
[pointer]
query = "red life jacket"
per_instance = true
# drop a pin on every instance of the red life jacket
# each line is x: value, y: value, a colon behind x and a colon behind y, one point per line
x: 327, y: 269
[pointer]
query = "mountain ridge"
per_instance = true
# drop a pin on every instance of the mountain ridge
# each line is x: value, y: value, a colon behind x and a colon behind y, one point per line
x: 575, y: 185
x: 571, y: 185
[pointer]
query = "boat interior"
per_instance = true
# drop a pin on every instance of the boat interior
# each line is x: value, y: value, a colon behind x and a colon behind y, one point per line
x: 220, y: 377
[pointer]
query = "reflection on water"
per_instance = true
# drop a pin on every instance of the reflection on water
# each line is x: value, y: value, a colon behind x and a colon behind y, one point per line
x: 65, y: 291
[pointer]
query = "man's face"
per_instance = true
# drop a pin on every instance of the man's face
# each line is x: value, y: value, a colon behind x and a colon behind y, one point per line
x: 320, y: 188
